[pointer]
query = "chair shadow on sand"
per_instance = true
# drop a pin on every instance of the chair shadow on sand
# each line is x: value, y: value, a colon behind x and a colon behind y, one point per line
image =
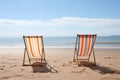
x: 44, y: 68
x: 100, y: 69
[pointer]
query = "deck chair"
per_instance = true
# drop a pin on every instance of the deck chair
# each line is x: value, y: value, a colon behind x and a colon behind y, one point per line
x: 34, y: 50
x: 84, y: 46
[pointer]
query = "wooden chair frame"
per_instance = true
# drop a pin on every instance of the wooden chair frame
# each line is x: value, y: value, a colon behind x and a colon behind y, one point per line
x: 42, y: 57
x: 76, y: 56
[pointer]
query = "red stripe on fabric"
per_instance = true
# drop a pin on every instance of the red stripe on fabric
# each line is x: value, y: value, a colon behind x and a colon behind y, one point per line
x: 89, y: 44
x: 30, y: 46
x: 38, y: 45
x: 82, y: 41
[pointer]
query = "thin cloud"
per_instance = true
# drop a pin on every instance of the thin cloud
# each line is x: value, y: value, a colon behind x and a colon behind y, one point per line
x: 87, y: 22
x: 21, y: 22
x: 63, y: 21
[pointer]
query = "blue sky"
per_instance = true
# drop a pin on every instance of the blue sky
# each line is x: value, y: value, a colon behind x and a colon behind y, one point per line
x: 59, y: 17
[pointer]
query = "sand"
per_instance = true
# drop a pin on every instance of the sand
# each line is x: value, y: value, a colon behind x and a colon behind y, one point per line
x: 60, y: 59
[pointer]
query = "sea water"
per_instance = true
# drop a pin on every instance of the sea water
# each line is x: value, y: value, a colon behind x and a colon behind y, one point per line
x: 59, y: 42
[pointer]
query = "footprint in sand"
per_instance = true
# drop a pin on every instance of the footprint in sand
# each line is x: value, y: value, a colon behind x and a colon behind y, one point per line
x: 4, y: 78
x: 54, y: 61
x: 13, y: 59
x: 65, y: 64
x: 70, y: 62
x: 78, y: 71
x: 109, y: 78
x: 107, y: 57
x: 13, y: 66
x: 8, y: 77
x: 21, y: 69
x: 18, y: 75
x: 1, y: 68
x: 110, y: 64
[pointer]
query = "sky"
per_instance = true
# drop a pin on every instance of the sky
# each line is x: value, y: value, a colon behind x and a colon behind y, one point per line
x: 59, y: 17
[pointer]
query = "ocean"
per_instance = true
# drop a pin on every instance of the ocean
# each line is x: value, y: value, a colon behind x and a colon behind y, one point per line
x: 59, y: 42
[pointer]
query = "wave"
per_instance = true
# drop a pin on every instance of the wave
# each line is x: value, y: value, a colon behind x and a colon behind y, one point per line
x: 62, y: 46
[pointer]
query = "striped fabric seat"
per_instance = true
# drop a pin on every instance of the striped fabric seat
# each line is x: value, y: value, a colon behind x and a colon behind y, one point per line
x: 84, y: 46
x: 34, y: 48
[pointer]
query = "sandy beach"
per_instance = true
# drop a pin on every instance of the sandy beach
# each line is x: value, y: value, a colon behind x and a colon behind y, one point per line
x: 60, y: 59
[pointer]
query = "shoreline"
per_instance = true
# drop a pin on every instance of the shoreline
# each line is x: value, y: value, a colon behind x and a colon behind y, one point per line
x: 103, y: 47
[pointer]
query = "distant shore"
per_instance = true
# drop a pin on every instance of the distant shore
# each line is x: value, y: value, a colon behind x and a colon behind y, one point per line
x: 61, y: 42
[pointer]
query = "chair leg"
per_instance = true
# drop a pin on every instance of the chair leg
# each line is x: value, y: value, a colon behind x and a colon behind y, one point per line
x: 88, y: 58
x: 28, y: 58
x: 74, y: 56
x: 43, y: 55
x: 75, y: 51
x: 29, y: 61
x: 94, y: 57
x: 24, y: 57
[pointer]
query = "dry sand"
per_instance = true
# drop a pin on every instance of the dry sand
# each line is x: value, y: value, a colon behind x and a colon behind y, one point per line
x: 108, y: 65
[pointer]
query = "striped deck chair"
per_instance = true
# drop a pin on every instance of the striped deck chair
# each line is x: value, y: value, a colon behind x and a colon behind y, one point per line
x: 34, y: 49
x: 84, y: 46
